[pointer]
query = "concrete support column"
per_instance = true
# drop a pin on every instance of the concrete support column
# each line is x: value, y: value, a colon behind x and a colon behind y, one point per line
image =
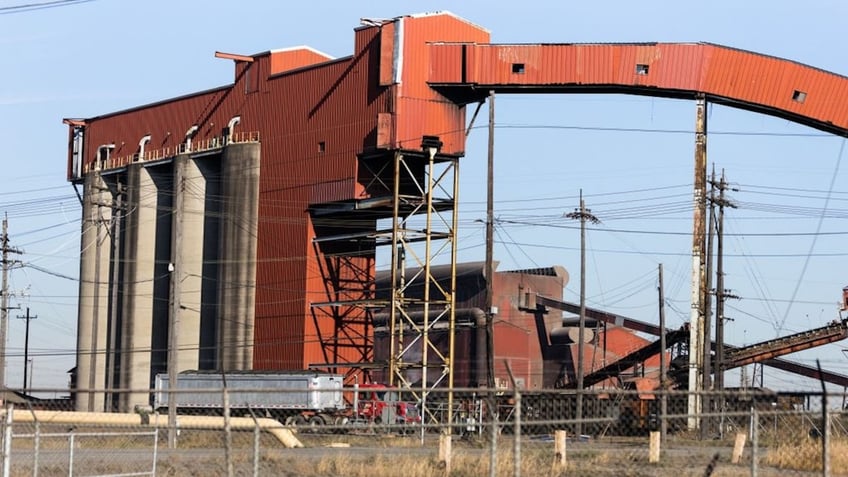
x: 189, y: 249
x: 139, y: 253
x: 92, y: 327
x: 237, y: 273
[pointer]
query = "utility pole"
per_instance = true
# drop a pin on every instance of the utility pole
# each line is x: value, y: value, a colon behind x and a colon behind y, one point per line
x: 4, y: 297
x: 95, y: 322
x: 490, y: 231
x: 707, y: 399
x: 176, y: 292
x: 112, y: 345
x: 696, y: 317
x: 583, y: 214
x: 28, y: 318
x: 721, y: 293
x: 663, y: 387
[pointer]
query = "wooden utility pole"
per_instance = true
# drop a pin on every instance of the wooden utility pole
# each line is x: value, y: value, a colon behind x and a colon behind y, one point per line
x: 117, y: 223
x: 490, y: 231
x: 698, y: 292
x: 176, y: 277
x: 663, y: 386
x: 721, y: 293
x: 28, y: 318
x: 95, y: 321
x: 4, y: 298
x: 583, y: 214
x: 707, y: 399
x: 490, y: 272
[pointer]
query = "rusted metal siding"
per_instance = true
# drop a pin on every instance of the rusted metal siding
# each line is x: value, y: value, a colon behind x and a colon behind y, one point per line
x: 680, y: 66
x: 516, y: 338
x: 740, y: 78
x: 420, y: 110
x: 166, y: 123
x: 294, y: 58
x: 772, y: 82
x: 446, y: 62
x: 312, y: 137
x: 388, y: 54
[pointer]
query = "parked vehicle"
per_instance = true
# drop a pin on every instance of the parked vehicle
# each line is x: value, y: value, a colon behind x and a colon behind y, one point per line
x: 292, y: 397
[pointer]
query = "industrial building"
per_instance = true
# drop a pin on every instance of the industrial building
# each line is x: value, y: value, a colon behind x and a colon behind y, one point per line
x: 237, y: 227
x: 243, y: 183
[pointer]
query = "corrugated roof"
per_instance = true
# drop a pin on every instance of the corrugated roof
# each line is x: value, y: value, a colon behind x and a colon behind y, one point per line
x: 554, y: 271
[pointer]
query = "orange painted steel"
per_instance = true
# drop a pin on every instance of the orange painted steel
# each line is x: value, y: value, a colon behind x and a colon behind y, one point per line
x: 293, y: 58
x: 738, y: 78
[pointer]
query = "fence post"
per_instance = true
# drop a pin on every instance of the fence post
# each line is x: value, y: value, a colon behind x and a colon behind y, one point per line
x: 228, y: 436
x: 493, y: 437
x: 256, y: 437
x: 7, y: 439
x: 517, y: 445
x: 155, y: 449
x: 559, y: 449
x: 755, y: 441
x: 71, y: 455
x: 36, y: 444
x: 654, y: 447
x: 826, y: 441
x: 445, y: 451
x: 738, y: 447
x: 516, y: 465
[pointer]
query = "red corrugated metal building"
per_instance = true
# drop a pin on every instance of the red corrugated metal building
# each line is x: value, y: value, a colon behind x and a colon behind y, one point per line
x: 313, y: 117
x: 297, y: 134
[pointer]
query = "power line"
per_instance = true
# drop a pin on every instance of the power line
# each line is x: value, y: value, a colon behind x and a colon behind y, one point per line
x: 30, y: 7
x: 662, y: 131
x: 815, y: 238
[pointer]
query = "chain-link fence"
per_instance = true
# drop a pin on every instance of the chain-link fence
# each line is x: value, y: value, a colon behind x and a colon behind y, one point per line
x: 378, y: 432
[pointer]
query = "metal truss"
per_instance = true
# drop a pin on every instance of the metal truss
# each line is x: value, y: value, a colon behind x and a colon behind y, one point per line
x: 343, y: 322
x: 425, y: 187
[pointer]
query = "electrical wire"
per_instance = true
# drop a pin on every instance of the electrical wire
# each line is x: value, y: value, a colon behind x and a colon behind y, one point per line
x: 815, y: 238
x: 30, y: 7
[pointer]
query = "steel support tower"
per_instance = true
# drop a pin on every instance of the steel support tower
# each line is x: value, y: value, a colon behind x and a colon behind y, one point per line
x: 416, y: 363
x: 416, y: 190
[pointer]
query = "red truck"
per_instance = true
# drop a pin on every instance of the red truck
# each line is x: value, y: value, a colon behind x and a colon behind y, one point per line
x: 380, y: 404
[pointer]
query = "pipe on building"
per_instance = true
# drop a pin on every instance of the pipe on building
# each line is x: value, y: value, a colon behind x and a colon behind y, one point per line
x: 230, y: 125
x: 283, y: 434
x: 100, y: 159
x: 143, y: 142
x: 188, y: 135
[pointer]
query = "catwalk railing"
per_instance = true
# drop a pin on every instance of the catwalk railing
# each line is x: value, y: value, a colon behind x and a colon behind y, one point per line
x: 107, y: 160
x: 497, y: 433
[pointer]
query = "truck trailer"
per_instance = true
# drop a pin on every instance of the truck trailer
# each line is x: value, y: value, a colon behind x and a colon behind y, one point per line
x: 292, y: 397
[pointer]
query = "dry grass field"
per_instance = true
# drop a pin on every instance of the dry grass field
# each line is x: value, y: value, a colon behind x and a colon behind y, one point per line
x: 201, y: 453
x: 385, y: 456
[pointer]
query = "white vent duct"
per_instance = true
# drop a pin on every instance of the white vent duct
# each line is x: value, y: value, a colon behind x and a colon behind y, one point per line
x: 188, y: 135
x: 143, y: 142
x: 230, y: 125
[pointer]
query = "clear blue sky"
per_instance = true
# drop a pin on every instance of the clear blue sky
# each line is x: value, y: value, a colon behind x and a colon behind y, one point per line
x: 89, y: 58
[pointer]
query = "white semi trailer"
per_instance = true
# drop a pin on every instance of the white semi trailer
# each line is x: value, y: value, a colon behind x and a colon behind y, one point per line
x: 292, y: 397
